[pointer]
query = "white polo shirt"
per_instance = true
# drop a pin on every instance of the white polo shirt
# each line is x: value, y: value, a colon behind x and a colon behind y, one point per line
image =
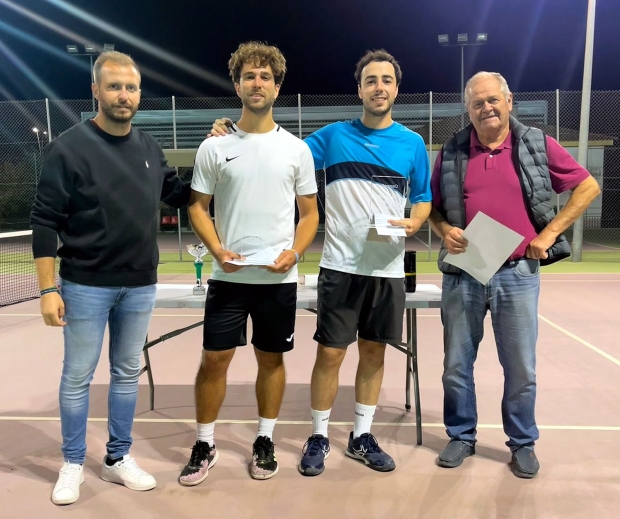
x: 254, y: 178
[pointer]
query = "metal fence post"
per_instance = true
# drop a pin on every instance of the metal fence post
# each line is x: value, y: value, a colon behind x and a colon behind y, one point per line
x: 584, y: 125
x: 557, y: 136
x: 49, y: 120
x: 430, y: 160
x: 299, y: 114
x: 174, y: 141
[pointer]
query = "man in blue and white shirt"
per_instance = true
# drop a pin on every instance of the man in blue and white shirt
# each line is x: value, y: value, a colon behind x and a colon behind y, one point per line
x: 371, y: 165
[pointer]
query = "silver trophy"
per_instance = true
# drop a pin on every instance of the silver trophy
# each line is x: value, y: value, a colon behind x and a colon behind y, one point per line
x: 198, y: 251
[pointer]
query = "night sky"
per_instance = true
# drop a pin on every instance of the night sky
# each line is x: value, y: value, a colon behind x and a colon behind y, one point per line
x: 183, y: 45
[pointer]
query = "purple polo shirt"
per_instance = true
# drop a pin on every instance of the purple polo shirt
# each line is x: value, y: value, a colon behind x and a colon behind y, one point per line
x: 492, y: 185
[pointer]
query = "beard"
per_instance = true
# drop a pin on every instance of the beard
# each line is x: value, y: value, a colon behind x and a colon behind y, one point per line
x: 259, y: 108
x: 378, y: 111
x: 113, y: 113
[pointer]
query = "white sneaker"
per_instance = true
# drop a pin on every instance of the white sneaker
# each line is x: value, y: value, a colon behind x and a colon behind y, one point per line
x: 126, y: 472
x: 67, y: 489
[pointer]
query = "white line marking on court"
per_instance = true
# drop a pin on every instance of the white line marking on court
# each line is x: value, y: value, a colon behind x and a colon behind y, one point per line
x: 308, y: 422
x: 186, y: 315
x: 581, y: 280
x: 422, y: 242
x: 544, y: 274
x: 601, y: 245
x: 20, y: 315
x: 154, y: 315
x: 580, y: 340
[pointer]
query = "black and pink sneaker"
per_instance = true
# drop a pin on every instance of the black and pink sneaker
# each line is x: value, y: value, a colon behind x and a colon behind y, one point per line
x: 203, y: 457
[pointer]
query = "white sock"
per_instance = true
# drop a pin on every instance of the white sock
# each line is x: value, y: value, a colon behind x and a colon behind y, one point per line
x: 320, y: 421
x: 265, y: 427
x: 206, y: 432
x: 363, y: 419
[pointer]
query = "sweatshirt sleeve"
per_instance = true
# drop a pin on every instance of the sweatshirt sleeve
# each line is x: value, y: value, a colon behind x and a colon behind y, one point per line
x: 50, y: 210
x: 174, y: 191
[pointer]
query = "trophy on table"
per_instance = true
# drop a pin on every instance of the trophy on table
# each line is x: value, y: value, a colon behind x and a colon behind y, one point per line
x: 198, y: 251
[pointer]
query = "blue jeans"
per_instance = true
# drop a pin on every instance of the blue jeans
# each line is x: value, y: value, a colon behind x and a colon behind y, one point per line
x: 88, y: 310
x: 512, y: 298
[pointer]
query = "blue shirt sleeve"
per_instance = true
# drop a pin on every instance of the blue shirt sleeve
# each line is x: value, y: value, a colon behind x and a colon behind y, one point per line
x: 318, y: 143
x: 420, y: 174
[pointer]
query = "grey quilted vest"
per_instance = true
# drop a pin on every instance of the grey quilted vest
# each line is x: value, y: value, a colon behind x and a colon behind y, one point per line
x: 530, y: 158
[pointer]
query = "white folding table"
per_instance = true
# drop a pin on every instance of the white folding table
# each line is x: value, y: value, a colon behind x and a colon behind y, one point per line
x: 425, y: 296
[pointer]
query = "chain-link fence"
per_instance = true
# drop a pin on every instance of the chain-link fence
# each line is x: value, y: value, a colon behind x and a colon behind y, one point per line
x: 182, y: 123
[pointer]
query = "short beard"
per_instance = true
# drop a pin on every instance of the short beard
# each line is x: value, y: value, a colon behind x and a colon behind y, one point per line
x: 121, y: 119
x: 379, y: 112
x: 262, y: 110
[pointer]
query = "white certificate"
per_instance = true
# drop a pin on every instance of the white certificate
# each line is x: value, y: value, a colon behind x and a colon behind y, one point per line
x: 490, y: 245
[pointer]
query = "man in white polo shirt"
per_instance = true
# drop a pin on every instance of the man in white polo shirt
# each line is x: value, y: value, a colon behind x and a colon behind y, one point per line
x: 255, y: 176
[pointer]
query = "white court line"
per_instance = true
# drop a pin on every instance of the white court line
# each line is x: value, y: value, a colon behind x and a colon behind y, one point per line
x: 154, y: 315
x: 202, y: 315
x: 543, y: 274
x: 581, y: 280
x: 601, y: 245
x: 308, y: 422
x: 580, y: 340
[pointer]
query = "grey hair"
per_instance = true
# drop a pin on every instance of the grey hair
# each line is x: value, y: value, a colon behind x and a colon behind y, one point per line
x: 503, y: 85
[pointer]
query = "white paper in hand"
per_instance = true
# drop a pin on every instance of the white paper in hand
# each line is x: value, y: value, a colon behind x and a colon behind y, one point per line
x: 387, y: 229
x: 258, y: 259
x: 490, y: 245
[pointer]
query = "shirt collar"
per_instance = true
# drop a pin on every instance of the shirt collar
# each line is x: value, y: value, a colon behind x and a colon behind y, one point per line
x: 474, y: 142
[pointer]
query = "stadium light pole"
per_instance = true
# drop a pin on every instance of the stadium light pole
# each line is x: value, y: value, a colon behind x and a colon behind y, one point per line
x: 584, y: 123
x: 36, y: 132
x: 90, y: 50
x: 462, y: 40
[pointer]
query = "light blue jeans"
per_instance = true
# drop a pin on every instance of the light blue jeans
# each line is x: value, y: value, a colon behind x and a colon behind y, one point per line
x: 512, y: 298
x: 127, y: 311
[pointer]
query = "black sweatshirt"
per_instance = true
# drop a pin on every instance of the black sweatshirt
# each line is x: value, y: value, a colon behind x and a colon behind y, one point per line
x: 99, y: 194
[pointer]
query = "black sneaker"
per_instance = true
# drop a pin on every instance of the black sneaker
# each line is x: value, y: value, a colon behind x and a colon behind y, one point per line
x: 314, y: 454
x: 197, y: 469
x: 264, y: 462
x: 366, y: 449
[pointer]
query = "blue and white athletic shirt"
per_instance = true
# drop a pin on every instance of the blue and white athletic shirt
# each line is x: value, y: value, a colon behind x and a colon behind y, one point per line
x: 367, y: 172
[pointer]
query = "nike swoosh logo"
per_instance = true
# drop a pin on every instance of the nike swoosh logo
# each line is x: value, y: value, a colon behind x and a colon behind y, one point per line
x: 232, y: 158
x: 290, y: 338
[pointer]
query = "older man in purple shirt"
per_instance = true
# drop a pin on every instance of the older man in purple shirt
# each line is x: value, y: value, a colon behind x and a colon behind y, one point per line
x: 508, y: 171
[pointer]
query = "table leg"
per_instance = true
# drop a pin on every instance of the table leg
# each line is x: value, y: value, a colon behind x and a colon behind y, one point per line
x: 409, y: 363
x: 413, y: 318
x: 149, y: 374
x: 147, y: 359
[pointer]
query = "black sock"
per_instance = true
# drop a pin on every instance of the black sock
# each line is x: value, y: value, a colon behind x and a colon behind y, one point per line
x: 109, y: 461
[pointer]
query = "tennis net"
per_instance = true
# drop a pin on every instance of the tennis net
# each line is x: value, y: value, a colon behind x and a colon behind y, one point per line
x: 18, y: 279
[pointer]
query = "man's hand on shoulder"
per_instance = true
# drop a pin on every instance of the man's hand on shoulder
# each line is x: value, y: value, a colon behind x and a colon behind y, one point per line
x: 220, y: 127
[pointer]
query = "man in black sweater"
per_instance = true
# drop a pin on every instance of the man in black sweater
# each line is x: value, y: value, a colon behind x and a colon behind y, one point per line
x: 100, y: 188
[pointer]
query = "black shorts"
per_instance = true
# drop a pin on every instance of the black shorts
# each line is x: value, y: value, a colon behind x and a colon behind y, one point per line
x: 271, y: 307
x: 350, y: 305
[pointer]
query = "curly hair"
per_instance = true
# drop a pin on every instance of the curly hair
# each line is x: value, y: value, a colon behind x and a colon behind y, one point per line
x: 258, y: 54
x: 377, y: 55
